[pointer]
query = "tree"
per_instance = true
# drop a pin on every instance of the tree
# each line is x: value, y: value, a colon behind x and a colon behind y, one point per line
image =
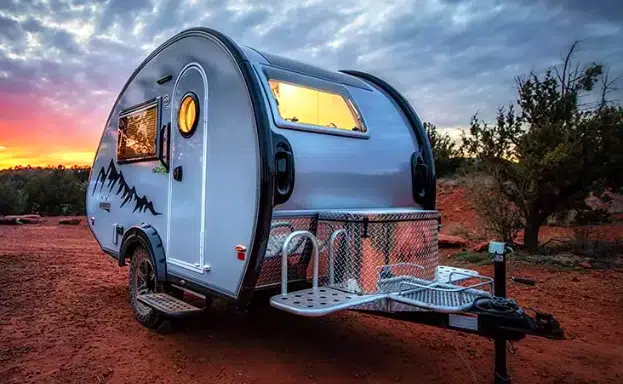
x: 444, y: 152
x: 551, y: 153
x: 48, y: 191
x: 496, y: 214
x: 12, y: 199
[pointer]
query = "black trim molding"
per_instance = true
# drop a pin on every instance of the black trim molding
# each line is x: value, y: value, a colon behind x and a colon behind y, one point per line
x: 164, y: 79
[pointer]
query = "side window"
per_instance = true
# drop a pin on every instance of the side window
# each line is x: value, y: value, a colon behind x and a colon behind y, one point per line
x: 138, y: 130
x: 306, y: 105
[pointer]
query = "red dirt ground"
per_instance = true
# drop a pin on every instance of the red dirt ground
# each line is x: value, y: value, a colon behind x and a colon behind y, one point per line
x: 65, y: 318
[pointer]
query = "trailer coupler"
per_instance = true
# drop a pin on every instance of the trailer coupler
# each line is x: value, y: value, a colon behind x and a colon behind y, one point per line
x: 501, y: 317
x: 547, y: 326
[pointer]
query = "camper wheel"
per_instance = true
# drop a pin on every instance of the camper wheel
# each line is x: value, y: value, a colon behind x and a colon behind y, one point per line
x: 143, y: 280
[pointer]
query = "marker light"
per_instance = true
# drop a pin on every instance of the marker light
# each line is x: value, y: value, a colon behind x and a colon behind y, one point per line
x: 241, y: 251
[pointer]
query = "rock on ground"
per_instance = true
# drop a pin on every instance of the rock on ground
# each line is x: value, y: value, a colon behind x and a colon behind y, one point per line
x: 449, y: 241
x: 69, y: 221
x: 20, y: 219
x: 481, y: 247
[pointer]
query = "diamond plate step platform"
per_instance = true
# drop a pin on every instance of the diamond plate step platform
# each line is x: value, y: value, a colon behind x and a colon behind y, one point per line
x: 319, y: 301
x: 168, y: 304
x: 449, y: 275
x: 440, y: 299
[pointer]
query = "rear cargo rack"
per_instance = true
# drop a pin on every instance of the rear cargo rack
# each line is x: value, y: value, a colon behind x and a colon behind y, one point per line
x: 351, y: 284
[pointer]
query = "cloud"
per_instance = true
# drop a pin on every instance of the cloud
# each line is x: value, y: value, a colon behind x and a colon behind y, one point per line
x: 451, y: 58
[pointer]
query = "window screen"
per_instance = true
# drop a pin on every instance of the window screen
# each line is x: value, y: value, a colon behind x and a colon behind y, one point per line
x: 137, y: 134
x: 305, y: 105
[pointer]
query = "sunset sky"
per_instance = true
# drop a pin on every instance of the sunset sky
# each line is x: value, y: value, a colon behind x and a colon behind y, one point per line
x: 63, y: 62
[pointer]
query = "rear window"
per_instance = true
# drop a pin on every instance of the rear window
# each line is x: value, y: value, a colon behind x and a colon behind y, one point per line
x: 306, y: 105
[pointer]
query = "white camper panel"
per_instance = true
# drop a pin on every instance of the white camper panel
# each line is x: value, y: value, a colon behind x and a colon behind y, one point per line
x: 201, y: 219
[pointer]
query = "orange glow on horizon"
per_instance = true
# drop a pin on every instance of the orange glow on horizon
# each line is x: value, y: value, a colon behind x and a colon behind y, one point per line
x: 11, y: 157
x: 44, y: 136
x: 50, y: 145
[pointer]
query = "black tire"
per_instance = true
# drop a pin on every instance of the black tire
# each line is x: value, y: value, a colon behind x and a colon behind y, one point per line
x: 142, y: 279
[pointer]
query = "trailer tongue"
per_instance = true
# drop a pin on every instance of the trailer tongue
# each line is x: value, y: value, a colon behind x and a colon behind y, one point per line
x: 385, y: 263
x: 454, y: 298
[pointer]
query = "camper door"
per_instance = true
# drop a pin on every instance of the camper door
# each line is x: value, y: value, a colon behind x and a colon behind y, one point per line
x: 187, y: 183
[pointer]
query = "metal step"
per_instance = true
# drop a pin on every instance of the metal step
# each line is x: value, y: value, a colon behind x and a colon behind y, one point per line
x: 319, y: 301
x: 440, y: 298
x: 167, y: 304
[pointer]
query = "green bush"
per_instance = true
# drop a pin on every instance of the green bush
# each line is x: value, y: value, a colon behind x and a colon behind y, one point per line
x: 445, y: 154
x: 46, y: 191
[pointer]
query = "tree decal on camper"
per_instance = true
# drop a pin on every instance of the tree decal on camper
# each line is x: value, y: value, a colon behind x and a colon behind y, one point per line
x: 114, y: 177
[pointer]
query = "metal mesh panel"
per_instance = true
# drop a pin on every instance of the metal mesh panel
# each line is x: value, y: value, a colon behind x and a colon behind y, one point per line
x: 299, y: 250
x: 374, y: 252
x: 361, y: 252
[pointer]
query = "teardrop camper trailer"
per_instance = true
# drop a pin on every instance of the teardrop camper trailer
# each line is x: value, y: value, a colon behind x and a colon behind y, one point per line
x: 223, y: 171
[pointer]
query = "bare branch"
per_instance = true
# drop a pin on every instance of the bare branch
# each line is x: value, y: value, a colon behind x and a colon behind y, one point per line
x: 607, y: 86
x: 564, y: 70
x: 558, y: 75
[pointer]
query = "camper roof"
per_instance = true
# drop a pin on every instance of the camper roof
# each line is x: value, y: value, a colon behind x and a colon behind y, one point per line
x: 306, y: 69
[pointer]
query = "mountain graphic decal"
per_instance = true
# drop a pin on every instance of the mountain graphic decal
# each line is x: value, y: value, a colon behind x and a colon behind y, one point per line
x: 115, y: 178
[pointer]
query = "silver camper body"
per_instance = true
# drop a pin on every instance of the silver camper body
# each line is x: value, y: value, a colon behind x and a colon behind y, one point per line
x: 226, y: 172
x: 252, y: 200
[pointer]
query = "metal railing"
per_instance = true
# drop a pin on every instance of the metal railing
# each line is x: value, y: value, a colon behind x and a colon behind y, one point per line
x: 331, y: 254
x: 284, y: 259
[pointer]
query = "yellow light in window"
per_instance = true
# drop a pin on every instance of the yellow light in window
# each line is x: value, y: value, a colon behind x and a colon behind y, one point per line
x: 187, y: 115
x: 310, y: 106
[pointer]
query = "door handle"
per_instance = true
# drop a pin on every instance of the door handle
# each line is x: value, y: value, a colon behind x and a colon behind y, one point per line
x: 178, y: 173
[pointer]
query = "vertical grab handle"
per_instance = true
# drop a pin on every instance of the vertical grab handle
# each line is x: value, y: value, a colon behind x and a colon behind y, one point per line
x: 284, y: 167
x: 332, y: 239
x: 284, y: 259
x: 163, y: 147
x: 285, y: 171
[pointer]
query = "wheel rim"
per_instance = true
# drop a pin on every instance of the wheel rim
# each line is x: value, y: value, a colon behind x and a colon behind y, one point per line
x: 145, y: 282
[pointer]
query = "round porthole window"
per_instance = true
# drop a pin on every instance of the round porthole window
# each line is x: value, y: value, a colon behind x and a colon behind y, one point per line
x: 188, y: 115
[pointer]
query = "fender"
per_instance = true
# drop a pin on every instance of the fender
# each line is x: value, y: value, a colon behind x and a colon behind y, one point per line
x: 146, y: 236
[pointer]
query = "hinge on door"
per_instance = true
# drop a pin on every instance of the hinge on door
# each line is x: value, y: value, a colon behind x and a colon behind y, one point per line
x: 205, y: 267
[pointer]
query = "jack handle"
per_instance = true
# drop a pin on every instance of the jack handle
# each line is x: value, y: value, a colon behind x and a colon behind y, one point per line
x: 520, y: 280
